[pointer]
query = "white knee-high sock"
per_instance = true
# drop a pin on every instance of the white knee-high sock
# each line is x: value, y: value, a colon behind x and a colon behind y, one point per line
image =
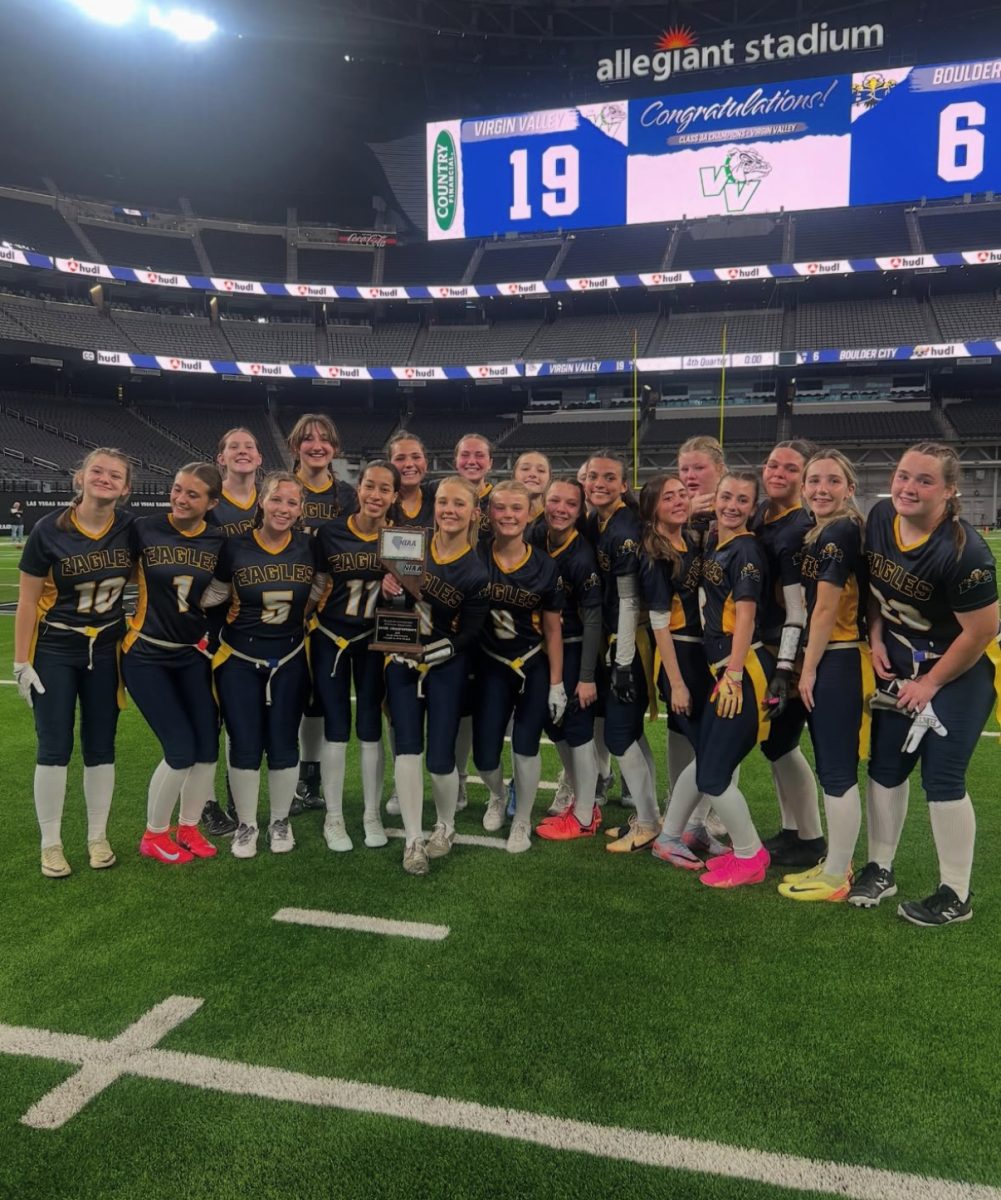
x: 651, y: 766
x: 196, y: 791
x: 844, y: 820
x: 50, y: 796
x: 281, y: 790
x: 410, y: 790
x: 685, y: 799
x: 98, y: 787
x: 164, y: 789
x: 886, y: 811
x: 636, y: 772
x: 600, y: 749
x: 373, y: 768
x: 333, y: 756
x: 445, y: 790
x: 494, y: 780
x: 585, y: 781
x: 245, y: 786
x: 310, y: 739
x: 733, y: 811
x: 566, y: 761
x: 797, y: 792
x: 954, y: 828
x: 680, y: 753
x: 463, y: 747
x: 527, y: 770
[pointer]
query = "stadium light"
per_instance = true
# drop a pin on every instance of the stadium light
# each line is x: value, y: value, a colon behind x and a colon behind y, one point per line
x: 108, y: 12
x: 185, y: 25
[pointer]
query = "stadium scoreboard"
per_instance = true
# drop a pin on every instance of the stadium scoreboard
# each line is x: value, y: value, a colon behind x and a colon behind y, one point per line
x: 872, y: 137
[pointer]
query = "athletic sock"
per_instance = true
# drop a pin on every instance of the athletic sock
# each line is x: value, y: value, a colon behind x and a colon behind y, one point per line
x: 281, y: 791
x: 886, y: 809
x: 585, y: 781
x: 310, y: 743
x: 844, y: 820
x: 196, y: 792
x: 333, y: 756
x: 245, y: 786
x: 685, y: 800
x: 98, y: 787
x: 494, y: 780
x: 680, y: 753
x: 410, y: 791
x: 644, y: 746
x: 797, y: 793
x: 566, y: 762
x: 445, y: 790
x: 600, y: 749
x: 373, y: 767
x: 733, y: 810
x: 164, y: 788
x: 636, y: 772
x: 50, y: 795
x: 527, y: 770
x: 464, y: 747
x: 698, y: 818
x: 954, y: 828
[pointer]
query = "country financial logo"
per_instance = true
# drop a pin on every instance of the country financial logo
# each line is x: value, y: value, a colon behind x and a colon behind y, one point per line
x: 737, y: 179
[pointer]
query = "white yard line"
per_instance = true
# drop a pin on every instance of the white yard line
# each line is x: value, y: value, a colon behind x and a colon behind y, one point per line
x: 361, y: 924
x: 461, y: 839
x: 544, y: 784
x: 128, y: 1055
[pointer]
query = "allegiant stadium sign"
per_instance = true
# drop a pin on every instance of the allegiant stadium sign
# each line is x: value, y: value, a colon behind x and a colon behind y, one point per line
x: 677, y: 51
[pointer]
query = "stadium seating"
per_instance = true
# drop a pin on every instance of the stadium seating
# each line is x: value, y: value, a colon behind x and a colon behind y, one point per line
x: 427, y: 262
x: 124, y: 246
x: 731, y: 247
x: 388, y: 344
x: 335, y: 266
x: 192, y: 337
x: 203, y: 427
x: 501, y: 264
x: 672, y: 431
x: 851, y: 323
x: 440, y: 433
x: 362, y: 434
x: 702, y: 333
x: 77, y: 325
x: 615, y: 251
x: 963, y: 318
x: 850, y: 233
x: 274, y: 342
x: 976, y: 418
x: 969, y: 229
x: 503, y: 342
x: 245, y: 255
x: 844, y: 428
x: 608, y: 336
x: 39, y: 226
x: 566, y: 433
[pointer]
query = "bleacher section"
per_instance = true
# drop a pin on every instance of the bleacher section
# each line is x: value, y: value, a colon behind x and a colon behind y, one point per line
x: 363, y: 434
x: 568, y: 433
x: 670, y: 432
x: 847, y: 428
x: 203, y: 428
x: 702, y: 333
x: 335, y: 266
x: 440, y: 433
x: 971, y: 229
x: 427, y: 262
x: 191, y: 337
x: 38, y: 226
x: 275, y: 342
x: 503, y: 342
x: 592, y: 337
x: 390, y: 343
x: 732, y: 247
x: 125, y: 247
x: 976, y: 419
x: 521, y: 262
x: 847, y: 233
x: 76, y: 325
x: 245, y: 255
x: 962, y: 318
x: 615, y: 251
x: 846, y: 323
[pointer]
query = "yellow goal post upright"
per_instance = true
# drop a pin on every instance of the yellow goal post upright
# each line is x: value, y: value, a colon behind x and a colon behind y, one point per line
x: 722, y: 382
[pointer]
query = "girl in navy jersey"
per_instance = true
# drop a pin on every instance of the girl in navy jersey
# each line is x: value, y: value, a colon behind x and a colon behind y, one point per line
x: 732, y: 585
x: 348, y: 552
x: 519, y: 668
x: 165, y: 661
x: 416, y: 503
x: 933, y: 629
x: 582, y: 643
x: 614, y: 530
x: 835, y: 679
x: 261, y: 673
x: 67, y: 632
x: 533, y: 470
x: 429, y: 694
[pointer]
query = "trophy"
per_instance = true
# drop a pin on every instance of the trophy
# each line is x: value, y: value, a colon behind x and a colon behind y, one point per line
x: 403, y: 552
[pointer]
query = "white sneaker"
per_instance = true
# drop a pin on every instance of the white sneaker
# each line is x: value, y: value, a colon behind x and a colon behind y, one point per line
x: 101, y: 854
x: 563, y: 798
x: 520, y: 838
x: 440, y: 842
x: 375, y: 834
x: 463, y: 800
x: 336, y: 835
x: 714, y: 826
x: 493, y: 818
x: 280, y: 837
x: 415, y: 858
x: 244, y: 843
x: 393, y: 805
x: 54, y: 863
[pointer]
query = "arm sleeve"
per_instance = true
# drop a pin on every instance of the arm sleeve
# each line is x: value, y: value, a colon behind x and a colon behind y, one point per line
x: 659, y: 619
x: 629, y: 608
x: 590, y: 644
x: 795, y: 604
x: 321, y: 582
x: 217, y: 592
x: 474, y: 613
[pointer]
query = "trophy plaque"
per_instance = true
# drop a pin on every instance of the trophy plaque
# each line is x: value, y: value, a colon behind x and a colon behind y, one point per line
x: 404, y: 553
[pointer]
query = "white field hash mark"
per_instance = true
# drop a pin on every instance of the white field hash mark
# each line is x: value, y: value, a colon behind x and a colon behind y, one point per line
x: 133, y: 1053
x: 361, y: 924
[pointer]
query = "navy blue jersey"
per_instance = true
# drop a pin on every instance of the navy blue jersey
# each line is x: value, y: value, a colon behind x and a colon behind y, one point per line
x: 700, y: 526
x: 85, y: 575
x: 486, y: 532
x: 616, y: 543
x: 578, y: 570
x: 174, y: 568
x: 836, y: 557
x: 336, y: 498
x: 270, y: 590
x: 356, y: 573
x: 454, y: 598
x: 231, y: 516
x: 518, y: 598
x: 676, y: 592
x: 781, y: 538
x: 421, y: 515
x: 920, y: 588
x: 732, y: 570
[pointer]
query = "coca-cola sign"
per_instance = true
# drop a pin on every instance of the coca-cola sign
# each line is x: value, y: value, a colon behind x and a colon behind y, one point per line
x: 362, y: 237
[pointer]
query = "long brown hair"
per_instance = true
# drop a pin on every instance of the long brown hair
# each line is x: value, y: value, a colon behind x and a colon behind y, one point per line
x: 655, y: 544
x: 850, y: 509
x: 273, y: 480
x: 950, y: 474
x: 300, y: 431
x: 64, y: 521
x: 208, y: 473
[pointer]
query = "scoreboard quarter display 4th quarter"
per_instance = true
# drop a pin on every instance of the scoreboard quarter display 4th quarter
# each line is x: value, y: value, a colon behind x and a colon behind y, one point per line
x: 875, y: 137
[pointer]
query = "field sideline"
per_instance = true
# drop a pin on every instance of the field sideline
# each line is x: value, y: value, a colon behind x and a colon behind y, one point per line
x: 571, y: 989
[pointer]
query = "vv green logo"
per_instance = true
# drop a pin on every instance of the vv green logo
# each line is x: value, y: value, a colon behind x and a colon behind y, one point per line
x: 737, y: 180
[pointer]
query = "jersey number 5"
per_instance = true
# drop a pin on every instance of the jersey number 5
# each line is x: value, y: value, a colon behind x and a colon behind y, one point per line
x: 276, y: 607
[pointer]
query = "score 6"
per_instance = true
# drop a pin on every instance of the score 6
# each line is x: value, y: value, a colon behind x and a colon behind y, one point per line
x: 560, y: 176
x: 961, y: 147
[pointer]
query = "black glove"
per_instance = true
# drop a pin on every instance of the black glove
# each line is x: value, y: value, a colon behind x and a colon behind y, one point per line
x: 623, y: 687
x: 779, y: 690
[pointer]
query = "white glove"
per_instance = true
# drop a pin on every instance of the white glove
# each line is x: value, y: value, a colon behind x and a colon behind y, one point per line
x: 557, y: 702
x: 925, y: 720
x: 438, y: 652
x: 27, y: 682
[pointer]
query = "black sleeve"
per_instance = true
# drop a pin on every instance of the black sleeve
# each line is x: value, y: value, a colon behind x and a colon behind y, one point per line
x: 34, y: 557
x: 474, y: 614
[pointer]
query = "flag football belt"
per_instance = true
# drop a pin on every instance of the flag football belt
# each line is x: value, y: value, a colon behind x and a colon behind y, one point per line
x: 90, y: 632
x: 341, y: 643
x: 573, y: 641
x: 516, y: 664
x: 421, y: 668
x: 201, y: 646
x: 272, y: 665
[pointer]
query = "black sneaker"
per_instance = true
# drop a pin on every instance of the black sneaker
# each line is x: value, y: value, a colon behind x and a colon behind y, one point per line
x: 780, y: 841
x: 871, y: 884
x: 798, y: 852
x: 943, y: 907
x: 215, y: 822
x: 307, y: 795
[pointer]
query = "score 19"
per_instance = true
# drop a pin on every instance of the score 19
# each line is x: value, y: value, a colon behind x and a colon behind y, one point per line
x: 560, y: 178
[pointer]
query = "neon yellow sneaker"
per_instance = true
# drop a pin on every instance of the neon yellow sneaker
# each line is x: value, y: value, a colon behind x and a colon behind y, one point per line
x: 101, y: 854
x: 812, y: 873
x: 54, y: 863
x: 822, y: 887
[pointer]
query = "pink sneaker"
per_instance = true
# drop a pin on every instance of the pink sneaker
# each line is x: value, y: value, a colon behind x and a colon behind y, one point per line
x: 721, y: 860
x: 735, y: 872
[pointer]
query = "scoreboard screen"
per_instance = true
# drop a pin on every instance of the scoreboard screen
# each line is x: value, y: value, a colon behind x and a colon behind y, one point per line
x: 875, y: 137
